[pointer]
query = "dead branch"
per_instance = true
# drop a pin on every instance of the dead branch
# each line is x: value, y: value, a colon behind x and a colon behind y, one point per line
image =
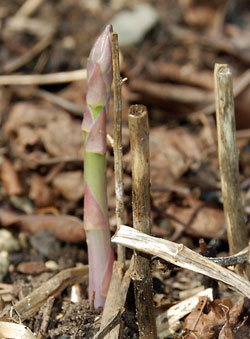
x: 181, y: 256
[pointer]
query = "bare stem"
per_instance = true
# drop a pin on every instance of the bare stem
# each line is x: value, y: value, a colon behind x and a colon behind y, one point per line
x: 139, y: 139
x: 228, y: 159
x: 118, y: 141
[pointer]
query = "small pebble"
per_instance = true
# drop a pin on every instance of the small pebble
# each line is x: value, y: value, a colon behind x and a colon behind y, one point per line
x: 51, y: 265
x: 132, y: 25
x: 4, y: 264
x: 32, y: 268
x: 8, y: 242
x: 45, y: 243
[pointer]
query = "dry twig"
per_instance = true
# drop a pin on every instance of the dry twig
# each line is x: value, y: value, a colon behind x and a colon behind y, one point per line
x: 46, y: 317
x: 43, y: 79
x: 67, y: 105
x: 17, y: 63
x: 118, y: 141
x: 28, y: 8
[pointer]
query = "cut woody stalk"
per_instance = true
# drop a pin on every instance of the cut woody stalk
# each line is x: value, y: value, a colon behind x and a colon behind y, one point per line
x: 228, y: 160
x: 100, y: 253
x: 142, y: 278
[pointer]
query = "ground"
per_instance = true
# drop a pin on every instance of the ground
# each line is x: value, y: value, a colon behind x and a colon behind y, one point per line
x: 170, y: 70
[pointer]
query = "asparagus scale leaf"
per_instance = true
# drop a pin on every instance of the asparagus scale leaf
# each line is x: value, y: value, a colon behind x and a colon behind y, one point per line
x: 100, y: 253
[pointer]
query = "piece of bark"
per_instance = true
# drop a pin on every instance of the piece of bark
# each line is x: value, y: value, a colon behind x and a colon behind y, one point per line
x: 104, y: 333
x: 142, y: 278
x: 116, y: 298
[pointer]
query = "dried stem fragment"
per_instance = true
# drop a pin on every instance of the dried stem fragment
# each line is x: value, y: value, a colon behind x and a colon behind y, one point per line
x: 118, y: 141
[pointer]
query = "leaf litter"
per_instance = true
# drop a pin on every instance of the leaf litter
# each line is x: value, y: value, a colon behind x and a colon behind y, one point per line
x: 41, y: 152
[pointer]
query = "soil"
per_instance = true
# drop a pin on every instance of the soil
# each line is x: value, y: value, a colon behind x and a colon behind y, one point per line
x: 41, y: 190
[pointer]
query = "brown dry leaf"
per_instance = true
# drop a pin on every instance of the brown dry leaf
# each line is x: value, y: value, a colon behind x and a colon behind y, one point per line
x: 29, y: 124
x: 40, y: 192
x: 193, y: 318
x: 64, y: 227
x: 199, y: 13
x: 204, y: 327
x: 236, y: 311
x: 70, y: 185
x: 201, y: 220
x: 242, y: 104
x: 62, y: 137
x: 226, y: 332
x: 168, y: 92
x: 186, y: 74
x: 10, y: 178
x: 73, y: 92
x: 172, y: 153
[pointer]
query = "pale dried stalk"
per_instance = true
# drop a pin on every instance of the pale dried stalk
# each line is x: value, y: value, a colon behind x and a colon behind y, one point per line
x: 139, y: 140
x: 43, y: 79
x: 181, y: 256
x: 118, y: 141
x: 228, y: 159
x: 28, y: 8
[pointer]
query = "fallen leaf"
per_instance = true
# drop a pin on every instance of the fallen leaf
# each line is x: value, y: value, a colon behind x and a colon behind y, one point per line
x: 200, y: 220
x: 182, y: 150
x: 193, y: 318
x: 30, y: 126
x: 10, y: 178
x: 39, y: 191
x: 226, y: 332
x: 236, y: 311
x: 207, y: 323
x: 70, y: 185
x: 65, y: 227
